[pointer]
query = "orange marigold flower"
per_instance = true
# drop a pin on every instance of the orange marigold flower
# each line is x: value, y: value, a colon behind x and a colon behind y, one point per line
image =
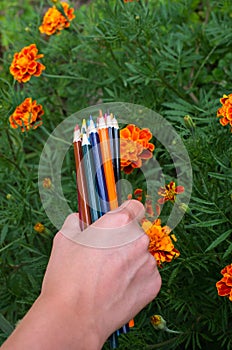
x: 54, y: 21
x: 161, y: 245
x: 25, y: 65
x: 225, y: 112
x: 40, y: 228
x: 27, y: 115
x: 47, y: 183
x: 138, y: 193
x: 169, y: 192
x: 134, y: 147
x: 224, y: 286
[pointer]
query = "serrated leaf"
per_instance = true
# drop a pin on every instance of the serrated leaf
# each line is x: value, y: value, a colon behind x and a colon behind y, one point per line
x: 219, y: 240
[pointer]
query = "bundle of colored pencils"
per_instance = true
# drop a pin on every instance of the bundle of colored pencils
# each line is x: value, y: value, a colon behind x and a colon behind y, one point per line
x: 97, y: 158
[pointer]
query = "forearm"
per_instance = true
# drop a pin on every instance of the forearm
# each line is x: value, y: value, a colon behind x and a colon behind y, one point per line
x: 51, y: 325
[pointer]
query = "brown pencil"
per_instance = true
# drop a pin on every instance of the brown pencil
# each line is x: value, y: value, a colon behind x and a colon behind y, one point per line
x: 82, y: 195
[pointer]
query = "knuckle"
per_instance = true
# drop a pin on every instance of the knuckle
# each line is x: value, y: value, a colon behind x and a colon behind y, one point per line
x: 145, y: 241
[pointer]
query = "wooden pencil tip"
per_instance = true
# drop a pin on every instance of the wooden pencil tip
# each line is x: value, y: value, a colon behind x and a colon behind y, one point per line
x: 100, y: 113
x: 76, y: 127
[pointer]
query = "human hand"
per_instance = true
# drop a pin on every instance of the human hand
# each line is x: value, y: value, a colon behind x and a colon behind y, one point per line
x: 105, y: 288
x: 88, y: 292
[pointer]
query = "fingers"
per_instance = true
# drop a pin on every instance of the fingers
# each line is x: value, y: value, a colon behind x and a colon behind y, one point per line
x: 131, y: 210
x: 71, y: 225
x: 115, y: 228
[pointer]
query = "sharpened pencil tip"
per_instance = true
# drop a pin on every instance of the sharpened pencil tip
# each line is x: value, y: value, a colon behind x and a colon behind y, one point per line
x: 101, y: 122
x: 76, y: 127
x: 83, y: 124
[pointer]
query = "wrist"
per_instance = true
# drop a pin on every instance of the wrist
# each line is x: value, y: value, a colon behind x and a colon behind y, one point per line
x: 76, y: 327
x: 50, y: 324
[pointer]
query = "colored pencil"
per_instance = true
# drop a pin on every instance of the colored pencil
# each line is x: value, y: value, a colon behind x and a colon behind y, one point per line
x: 98, y: 165
x: 100, y: 151
x: 107, y: 163
x: 117, y: 167
x: 109, y: 125
x: 94, y: 203
x: 82, y: 194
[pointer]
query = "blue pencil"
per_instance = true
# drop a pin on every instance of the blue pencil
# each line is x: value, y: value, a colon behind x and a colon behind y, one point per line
x: 99, y: 170
x: 94, y: 203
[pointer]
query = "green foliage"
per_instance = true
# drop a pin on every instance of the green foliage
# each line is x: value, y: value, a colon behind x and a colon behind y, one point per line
x: 171, y: 56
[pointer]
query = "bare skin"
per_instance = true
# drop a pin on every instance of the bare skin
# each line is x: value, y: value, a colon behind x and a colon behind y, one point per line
x: 88, y: 293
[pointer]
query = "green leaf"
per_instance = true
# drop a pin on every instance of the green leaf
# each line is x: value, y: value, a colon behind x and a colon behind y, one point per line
x: 5, y: 325
x: 219, y: 240
x: 4, y: 233
x: 208, y: 223
x: 204, y: 209
x: 228, y: 251
x: 202, y: 201
x: 220, y: 176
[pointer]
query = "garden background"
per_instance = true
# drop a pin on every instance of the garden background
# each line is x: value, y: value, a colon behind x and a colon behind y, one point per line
x: 173, y: 57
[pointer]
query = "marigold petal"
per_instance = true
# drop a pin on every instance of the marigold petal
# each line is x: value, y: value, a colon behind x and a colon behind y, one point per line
x: 179, y: 189
x: 162, y: 200
x: 146, y: 154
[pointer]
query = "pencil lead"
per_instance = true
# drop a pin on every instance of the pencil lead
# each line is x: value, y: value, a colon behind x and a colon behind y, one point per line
x: 76, y: 127
x: 100, y: 113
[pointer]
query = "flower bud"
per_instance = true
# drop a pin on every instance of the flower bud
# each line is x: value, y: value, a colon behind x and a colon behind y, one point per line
x: 40, y: 228
x: 189, y: 123
x: 184, y: 207
x: 158, y: 322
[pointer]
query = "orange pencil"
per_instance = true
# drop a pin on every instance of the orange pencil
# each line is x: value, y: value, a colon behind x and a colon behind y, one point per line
x: 107, y: 162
